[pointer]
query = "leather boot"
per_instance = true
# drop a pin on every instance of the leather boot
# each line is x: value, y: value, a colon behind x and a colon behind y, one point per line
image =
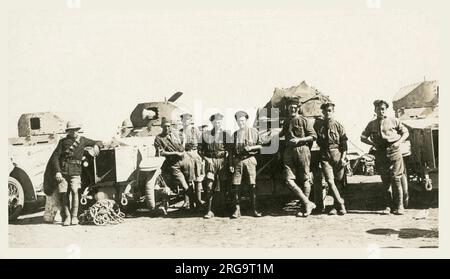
x: 342, y: 210
x: 387, y: 195
x: 65, y: 212
x: 236, y: 200
x: 74, y: 210
x: 318, y: 199
x: 405, y: 191
x: 303, y: 199
x: 186, y: 204
x: 209, y: 214
x: 256, y: 213
x: 398, y: 196
x: 198, y: 194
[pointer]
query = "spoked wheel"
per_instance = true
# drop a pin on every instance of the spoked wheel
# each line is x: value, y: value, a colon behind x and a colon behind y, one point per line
x: 16, y: 198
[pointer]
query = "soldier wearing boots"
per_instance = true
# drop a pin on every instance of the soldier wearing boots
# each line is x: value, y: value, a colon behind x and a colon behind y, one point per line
x: 192, y: 168
x: 385, y: 134
x: 169, y: 144
x: 246, y: 144
x: 214, y: 149
x: 66, y: 161
x: 332, y: 140
x: 299, y: 135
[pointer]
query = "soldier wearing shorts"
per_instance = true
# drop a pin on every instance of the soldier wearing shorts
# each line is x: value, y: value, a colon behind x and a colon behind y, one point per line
x: 193, y: 168
x: 332, y: 140
x: 66, y: 161
x: 214, y: 150
x: 246, y: 144
x: 299, y: 134
x: 385, y: 134
x: 169, y: 144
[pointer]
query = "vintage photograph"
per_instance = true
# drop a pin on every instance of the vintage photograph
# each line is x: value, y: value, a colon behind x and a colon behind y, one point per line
x: 227, y: 126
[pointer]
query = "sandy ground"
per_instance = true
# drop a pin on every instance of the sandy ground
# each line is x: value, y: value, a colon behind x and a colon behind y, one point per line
x: 278, y: 228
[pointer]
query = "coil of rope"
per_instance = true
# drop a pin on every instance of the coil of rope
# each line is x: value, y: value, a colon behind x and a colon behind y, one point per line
x: 103, y: 212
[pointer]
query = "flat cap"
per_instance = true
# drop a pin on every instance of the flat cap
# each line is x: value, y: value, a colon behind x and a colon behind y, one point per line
x: 216, y: 116
x: 293, y: 101
x: 240, y: 114
x: 326, y: 105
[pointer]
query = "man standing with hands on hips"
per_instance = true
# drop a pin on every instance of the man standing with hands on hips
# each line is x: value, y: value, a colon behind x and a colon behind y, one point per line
x: 385, y: 134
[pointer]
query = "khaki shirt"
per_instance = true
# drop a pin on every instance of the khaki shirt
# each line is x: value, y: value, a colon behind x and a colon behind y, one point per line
x: 384, y: 131
x: 243, y: 138
x: 297, y: 127
x: 330, y: 134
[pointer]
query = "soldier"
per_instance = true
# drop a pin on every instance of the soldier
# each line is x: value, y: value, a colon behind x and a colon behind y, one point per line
x: 386, y: 134
x: 193, y: 168
x: 299, y: 135
x: 332, y: 140
x: 126, y: 128
x: 246, y: 144
x: 66, y: 161
x: 169, y: 144
x: 214, y: 149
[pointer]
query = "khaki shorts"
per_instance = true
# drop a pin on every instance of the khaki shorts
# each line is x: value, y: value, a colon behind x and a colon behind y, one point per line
x: 215, y: 169
x: 244, y: 168
x: 296, y: 162
x: 192, y: 166
x: 72, y: 182
x: 331, y: 168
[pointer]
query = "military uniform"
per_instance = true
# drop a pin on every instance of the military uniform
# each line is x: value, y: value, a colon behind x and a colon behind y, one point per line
x: 388, y: 158
x: 332, y: 140
x: 296, y: 159
x: 193, y: 166
x: 244, y: 163
x: 171, y: 168
x: 214, y: 149
x: 66, y: 160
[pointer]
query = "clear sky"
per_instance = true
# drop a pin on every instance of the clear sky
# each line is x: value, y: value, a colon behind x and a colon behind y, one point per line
x: 102, y: 63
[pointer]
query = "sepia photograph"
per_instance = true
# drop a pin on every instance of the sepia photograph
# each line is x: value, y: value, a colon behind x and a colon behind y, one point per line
x: 218, y: 124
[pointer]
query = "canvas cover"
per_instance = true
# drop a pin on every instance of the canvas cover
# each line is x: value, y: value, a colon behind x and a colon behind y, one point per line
x: 419, y: 95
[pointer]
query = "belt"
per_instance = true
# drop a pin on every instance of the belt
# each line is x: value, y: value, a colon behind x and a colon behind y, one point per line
x: 243, y: 157
x: 77, y: 162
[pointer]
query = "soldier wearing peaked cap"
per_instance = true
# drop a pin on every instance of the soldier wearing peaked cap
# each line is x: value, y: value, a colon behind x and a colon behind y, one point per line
x: 332, y: 140
x: 66, y: 161
x: 216, y: 116
x: 385, y: 134
x: 299, y: 135
x: 169, y: 144
x: 246, y: 144
x: 214, y: 148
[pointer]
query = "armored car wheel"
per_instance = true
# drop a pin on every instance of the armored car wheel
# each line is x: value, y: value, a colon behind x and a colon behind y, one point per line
x: 16, y: 198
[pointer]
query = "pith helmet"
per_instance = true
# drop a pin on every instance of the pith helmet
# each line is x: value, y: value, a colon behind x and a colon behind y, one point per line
x: 72, y: 125
x: 127, y: 124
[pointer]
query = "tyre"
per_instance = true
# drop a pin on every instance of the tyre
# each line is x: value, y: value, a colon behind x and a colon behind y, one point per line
x: 16, y: 198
